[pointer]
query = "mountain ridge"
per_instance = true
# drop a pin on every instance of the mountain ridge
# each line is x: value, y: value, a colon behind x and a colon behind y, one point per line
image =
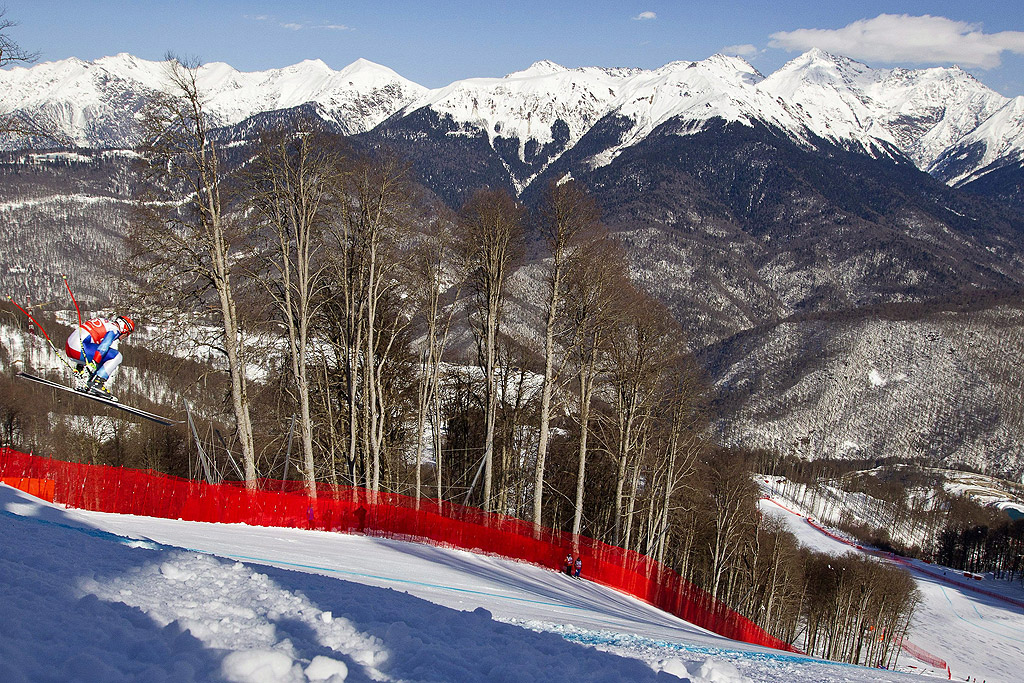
x: 928, y: 115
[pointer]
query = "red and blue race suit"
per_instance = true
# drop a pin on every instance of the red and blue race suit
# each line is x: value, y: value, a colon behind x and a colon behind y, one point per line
x: 95, y: 341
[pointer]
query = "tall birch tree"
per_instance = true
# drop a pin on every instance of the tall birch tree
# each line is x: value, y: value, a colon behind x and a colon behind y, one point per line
x: 567, y: 214
x: 183, y: 237
x: 491, y: 241
x: 432, y: 265
x: 595, y: 283
x: 290, y: 192
x: 368, y: 233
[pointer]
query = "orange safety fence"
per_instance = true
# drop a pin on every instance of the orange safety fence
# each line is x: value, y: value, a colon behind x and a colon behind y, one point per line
x: 355, y: 510
x: 40, y: 488
x: 922, y: 655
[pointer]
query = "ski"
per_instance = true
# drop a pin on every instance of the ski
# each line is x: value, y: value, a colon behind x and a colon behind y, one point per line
x: 106, y: 401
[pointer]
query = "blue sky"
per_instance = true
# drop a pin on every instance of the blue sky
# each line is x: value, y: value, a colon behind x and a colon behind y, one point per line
x: 434, y: 43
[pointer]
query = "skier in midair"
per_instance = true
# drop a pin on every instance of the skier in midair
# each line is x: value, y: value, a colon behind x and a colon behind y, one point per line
x: 92, y: 347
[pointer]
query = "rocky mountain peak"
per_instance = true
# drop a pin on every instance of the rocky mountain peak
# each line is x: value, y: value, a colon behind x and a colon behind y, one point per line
x: 539, y: 68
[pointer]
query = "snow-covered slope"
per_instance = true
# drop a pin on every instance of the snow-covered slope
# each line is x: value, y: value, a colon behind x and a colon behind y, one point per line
x: 719, y: 87
x: 94, y: 103
x: 357, y: 98
x: 979, y: 636
x: 544, y: 110
x: 530, y: 104
x: 920, y: 112
x: 92, y: 596
x: 998, y: 141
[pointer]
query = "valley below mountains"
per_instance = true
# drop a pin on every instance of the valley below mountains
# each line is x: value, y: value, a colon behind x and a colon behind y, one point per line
x: 843, y: 245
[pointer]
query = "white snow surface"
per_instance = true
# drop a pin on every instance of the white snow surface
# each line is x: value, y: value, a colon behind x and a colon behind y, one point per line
x: 922, y: 113
x: 1001, y: 136
x: 93, y: 101
x: 91, y: 596
x: 979, y: 637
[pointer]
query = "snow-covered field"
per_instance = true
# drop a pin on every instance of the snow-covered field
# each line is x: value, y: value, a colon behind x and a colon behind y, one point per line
x: 980, y: 637
x: 99, y: 597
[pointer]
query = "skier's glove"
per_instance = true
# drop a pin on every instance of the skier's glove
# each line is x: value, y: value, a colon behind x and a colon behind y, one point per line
x: 91, y: 367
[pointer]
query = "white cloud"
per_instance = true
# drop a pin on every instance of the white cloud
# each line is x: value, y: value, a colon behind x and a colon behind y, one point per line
x: 903, y: 38
x: 746, y: 50
x: 645, y: 16
x: 295, y: 26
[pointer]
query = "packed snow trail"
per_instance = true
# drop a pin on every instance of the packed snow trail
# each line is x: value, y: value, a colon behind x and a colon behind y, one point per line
x: 979, y: 636
x: 93, y: 596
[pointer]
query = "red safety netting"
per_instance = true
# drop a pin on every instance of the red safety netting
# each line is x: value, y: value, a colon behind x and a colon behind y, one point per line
x: 356, y: 510
x: 922, y: 655
x: 40, y: 488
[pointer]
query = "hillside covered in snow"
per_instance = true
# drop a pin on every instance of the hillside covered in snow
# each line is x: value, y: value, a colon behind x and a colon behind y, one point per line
x: 534, y: 115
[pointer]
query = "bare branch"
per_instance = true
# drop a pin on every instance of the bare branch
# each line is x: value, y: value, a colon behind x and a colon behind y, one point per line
x: 10, y: 51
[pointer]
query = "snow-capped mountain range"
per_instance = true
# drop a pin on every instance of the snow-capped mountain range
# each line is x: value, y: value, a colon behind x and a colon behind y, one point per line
x: 943, y: 119
x: 95, y: 102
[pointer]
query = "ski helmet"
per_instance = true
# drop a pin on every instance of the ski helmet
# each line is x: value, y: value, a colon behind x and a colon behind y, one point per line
x: 124, y: 325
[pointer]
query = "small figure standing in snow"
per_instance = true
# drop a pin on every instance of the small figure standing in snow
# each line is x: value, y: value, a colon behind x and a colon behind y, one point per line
x: 567, y: 567
x: 579, y: 566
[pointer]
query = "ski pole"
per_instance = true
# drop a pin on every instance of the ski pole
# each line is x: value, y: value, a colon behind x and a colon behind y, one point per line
x: 81, y: 342
x: 48, y: 340
x: 73, y: 299
x: 11, y: 299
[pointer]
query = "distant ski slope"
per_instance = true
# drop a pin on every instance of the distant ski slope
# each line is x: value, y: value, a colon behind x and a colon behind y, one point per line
x: 978, y: 636
x: 112, y: 597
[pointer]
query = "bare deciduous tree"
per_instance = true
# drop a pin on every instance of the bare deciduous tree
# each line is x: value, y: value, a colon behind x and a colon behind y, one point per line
x: 289, y: 190
x: 595, y: 282
x: 637, y: 351
x: 369, y: 232
x: 731, y: 496
x: 433, y: 261
x: 491, y: 241
x: 567, y: 215
x: 10, y: 51
x: 183, y: 237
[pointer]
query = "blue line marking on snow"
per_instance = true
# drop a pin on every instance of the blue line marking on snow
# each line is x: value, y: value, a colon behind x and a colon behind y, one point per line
x: 264, y: 560
x: 584, y: 638
x: 90, y: 531
x: 153, y: 545
x: 590, y: 638
x: 972, y: 623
